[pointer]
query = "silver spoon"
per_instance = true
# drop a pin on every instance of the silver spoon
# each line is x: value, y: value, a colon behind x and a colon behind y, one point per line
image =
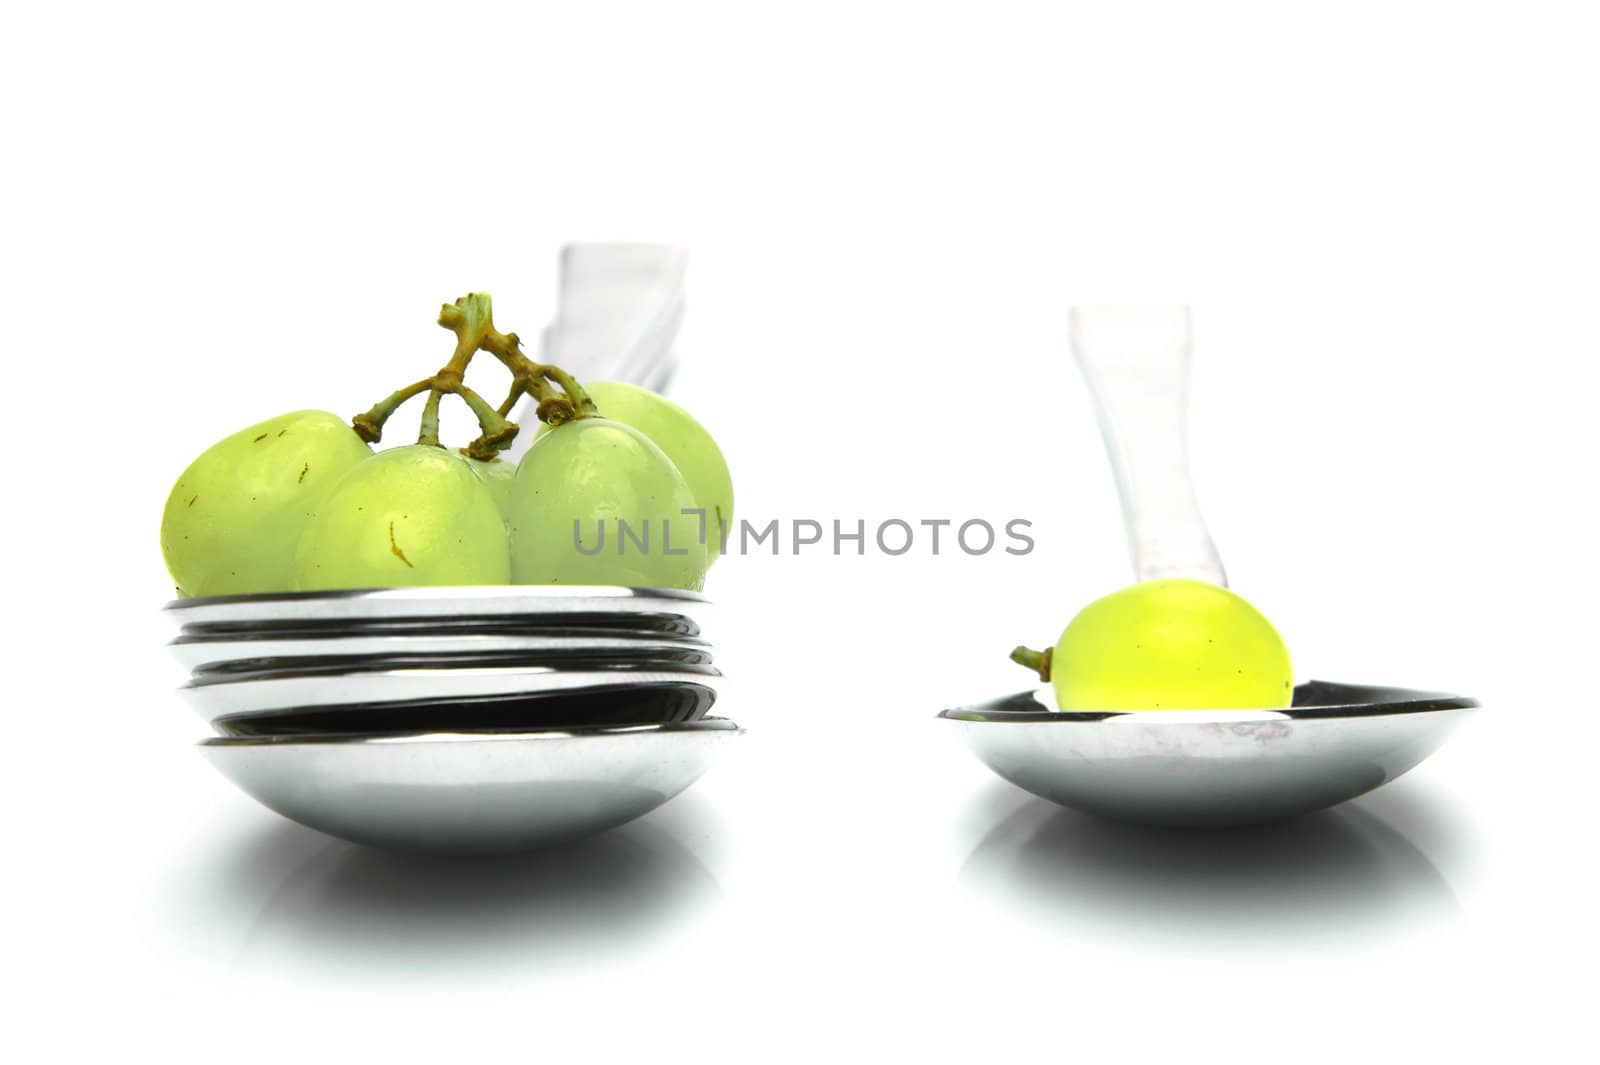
x: 1215, y: 767
x: 263, y: 654
x: 508, y: 603
x: 471, y: 792
x: 219, y: 695
x: 618, y: 704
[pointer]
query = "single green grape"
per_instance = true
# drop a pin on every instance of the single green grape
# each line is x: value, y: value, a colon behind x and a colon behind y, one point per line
x: 497, y: 475
x: 412, y: 516
x: 232, y: 520
x: 686, y: 443
x: 1171, y: 645
x: 595, y: 502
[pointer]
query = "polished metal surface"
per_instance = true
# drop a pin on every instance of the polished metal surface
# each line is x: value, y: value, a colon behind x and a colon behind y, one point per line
x: 217, y: 695
x: 622, y: 704
x: 200, y: 653
x: 502, y: 602
x: 614, y: 625
x: 1211, y: 767
x: 471, y: 793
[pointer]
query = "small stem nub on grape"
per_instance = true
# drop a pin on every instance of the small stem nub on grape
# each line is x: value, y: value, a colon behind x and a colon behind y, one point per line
x: 1038, y: 661
x: 495, y: 433
x: 367, y: 427
x: 556, y: 410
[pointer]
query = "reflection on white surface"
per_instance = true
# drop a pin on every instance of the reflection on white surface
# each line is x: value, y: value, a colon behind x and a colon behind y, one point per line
x: 1359, y: 873
x: 290, y: 902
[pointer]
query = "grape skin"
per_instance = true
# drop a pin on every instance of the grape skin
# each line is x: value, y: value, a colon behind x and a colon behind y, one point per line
x: 1171, y: 645
x: 412, y: 516
x: 497, y: 476
x: 599, y: 472
x: 256, y: 512
x: 232, y: 519
x: 684, y: 440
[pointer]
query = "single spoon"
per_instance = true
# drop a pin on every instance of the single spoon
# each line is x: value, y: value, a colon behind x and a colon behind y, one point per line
x: 471, y: 792
x: 217, y: 695
x: 509, y: 603
x: 1193, y: 767
x: 264, y: 654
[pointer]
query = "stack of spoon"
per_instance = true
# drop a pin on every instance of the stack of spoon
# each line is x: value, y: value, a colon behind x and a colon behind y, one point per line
x: 487, y: 718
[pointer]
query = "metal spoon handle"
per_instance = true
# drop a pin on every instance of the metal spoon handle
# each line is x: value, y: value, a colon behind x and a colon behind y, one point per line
x: 620, y: 308
x: 1136, y: 362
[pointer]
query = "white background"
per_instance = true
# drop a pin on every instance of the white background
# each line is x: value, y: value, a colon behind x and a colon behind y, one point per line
x: 1385, y: 217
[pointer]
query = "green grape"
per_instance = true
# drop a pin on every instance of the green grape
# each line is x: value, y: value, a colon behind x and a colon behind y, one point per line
x: 497, y: 475
x: 686, y: 443
x: 411, y: 516
x: 1171, y: 645
x: 581, y: 490
x: 231, y: 521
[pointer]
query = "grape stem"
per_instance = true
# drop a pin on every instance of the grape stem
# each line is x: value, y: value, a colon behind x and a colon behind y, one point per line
x: 558, y: 395
x: 1038, y: 661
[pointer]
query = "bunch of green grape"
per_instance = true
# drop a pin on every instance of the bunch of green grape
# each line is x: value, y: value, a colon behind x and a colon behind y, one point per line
x: 620, y: 487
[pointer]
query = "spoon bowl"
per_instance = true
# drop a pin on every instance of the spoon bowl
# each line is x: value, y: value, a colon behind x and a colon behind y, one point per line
x: 1211, y: 768
x: 470, y: 792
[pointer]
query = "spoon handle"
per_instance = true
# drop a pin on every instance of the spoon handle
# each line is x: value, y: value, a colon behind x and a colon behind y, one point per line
x: 1136, y: 362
